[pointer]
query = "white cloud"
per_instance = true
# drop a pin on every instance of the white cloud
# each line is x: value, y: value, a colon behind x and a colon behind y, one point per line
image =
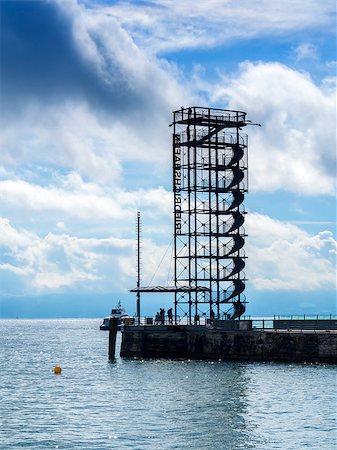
x: 115, y: 109
x: 54, y: 139
x: 282, y: 256
x: 163, y: 25
x: 70, y: 137
x: 84, y: 205
x: 61, y: 226
x: 294, y: 150
x: 305, y: 51
x: 56, y: 262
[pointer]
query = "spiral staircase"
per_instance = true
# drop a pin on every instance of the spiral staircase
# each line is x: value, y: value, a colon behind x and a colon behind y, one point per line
x: 210, y: 181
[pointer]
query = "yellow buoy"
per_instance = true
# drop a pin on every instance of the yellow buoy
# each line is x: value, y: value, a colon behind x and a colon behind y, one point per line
x: 57, y: 370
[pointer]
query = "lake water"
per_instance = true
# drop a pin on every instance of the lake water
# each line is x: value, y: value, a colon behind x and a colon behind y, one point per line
x: 152, y: 404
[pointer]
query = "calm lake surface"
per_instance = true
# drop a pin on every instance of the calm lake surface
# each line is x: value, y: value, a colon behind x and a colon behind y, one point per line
x: 152, y: 404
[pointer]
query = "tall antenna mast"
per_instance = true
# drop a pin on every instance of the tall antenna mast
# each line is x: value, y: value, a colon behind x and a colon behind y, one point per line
x: 138, y: 266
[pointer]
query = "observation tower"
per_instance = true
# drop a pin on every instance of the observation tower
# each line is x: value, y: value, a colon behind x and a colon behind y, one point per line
x: 210, y: 179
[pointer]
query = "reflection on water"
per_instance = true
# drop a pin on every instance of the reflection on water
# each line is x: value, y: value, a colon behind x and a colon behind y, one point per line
x: 152, y: 404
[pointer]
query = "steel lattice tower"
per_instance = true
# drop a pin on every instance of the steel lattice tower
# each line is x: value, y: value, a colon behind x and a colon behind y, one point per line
x: 209, y: 183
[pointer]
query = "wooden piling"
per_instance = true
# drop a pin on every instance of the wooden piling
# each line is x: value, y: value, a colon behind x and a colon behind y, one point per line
x: 113, y: 326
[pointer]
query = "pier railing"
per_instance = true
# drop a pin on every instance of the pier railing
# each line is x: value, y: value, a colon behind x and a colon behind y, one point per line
x: 302, y: 322
x: 276, y: 322
x: 149, y: 321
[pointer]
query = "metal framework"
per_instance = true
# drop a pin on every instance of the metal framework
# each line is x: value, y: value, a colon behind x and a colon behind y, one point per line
x: 170, y: 289
x: 210, y: 180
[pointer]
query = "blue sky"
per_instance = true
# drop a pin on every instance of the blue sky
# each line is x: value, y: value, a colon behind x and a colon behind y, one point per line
x: 87, y: 91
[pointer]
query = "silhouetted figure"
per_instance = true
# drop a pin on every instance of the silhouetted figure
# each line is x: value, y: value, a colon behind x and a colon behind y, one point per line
x: 162, y: 316
x: 157, y: 319
x: 211, y: 315
x: 196, y: 319
x: 170, y: 315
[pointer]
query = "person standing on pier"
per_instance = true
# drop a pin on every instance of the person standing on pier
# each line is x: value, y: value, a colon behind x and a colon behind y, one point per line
x: 162, y: 316
x: 157, y: 319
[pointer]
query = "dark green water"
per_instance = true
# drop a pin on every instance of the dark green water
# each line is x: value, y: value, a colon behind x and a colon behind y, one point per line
x: 152, y: 404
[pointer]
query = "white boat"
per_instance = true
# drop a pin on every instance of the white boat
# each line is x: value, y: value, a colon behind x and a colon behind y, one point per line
x: 118, y: 312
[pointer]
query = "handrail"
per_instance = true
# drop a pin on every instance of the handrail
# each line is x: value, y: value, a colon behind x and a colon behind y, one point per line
x: 259, y: 323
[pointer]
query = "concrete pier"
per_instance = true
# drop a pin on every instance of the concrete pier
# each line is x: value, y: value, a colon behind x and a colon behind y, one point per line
x: 200, y: 342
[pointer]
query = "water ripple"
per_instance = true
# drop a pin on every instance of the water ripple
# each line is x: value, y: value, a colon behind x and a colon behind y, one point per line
x: 152, y: 404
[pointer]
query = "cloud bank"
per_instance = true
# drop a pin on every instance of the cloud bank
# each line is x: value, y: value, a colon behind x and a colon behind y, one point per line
x: 295, y: 149
x: 281, y: 257
x: 163, y: 25
x: 90, y: 100
x: 79, y: 94
x: 85, y: 141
